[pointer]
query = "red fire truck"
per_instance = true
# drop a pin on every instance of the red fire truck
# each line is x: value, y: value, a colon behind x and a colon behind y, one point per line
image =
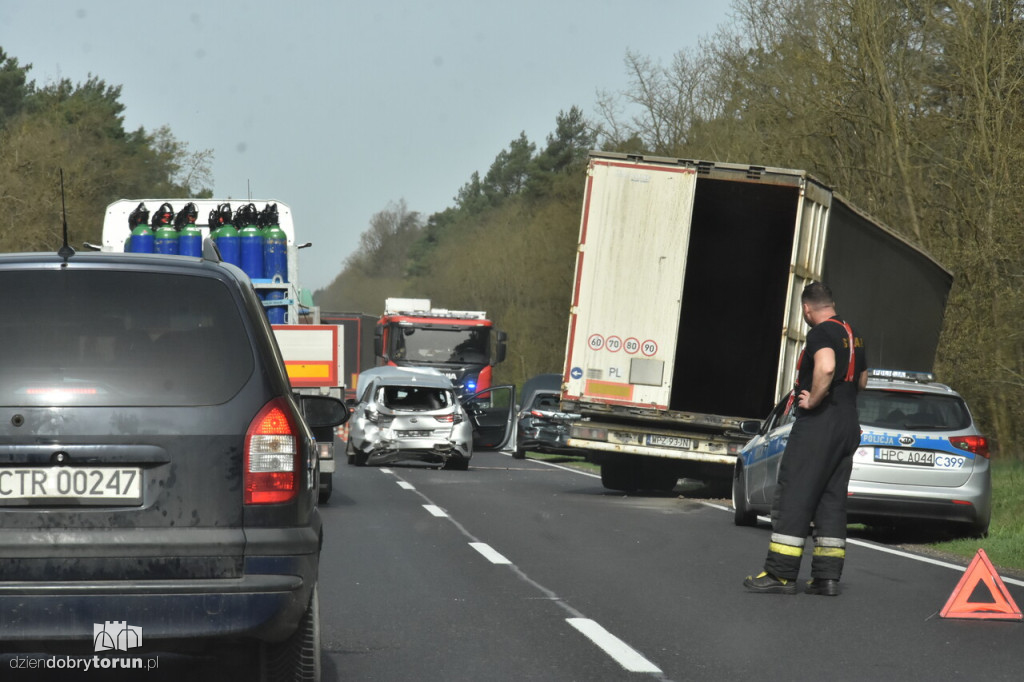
x: 462, y: 344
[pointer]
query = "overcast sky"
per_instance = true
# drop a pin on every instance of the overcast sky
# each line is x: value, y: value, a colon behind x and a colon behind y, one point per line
x: 338, y: 108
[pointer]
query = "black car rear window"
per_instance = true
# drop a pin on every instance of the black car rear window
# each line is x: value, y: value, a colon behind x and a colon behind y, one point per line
x: 912, y: 411
x: 416, y: 398
x: 119, y: 337
x: 546, y: 401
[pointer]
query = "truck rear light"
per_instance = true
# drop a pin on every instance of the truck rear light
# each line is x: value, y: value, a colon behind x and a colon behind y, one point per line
x: 976, y: 444
x: 271, y: 456
x: 589, y: 433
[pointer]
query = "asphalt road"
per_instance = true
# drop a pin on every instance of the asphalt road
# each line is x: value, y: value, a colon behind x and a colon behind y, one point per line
x: 517, y: 570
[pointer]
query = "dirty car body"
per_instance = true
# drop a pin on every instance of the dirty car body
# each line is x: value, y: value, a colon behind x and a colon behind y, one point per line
x: 155, y: 467
x: 405, y: 414
x: 541, y: 426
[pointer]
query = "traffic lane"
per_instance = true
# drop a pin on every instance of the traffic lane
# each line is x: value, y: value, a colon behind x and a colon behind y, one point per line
x: 404, y: 596
x: 665, y: 573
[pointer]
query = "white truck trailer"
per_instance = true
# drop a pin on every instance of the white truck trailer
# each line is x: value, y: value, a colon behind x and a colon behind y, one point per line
x: 685, y: 319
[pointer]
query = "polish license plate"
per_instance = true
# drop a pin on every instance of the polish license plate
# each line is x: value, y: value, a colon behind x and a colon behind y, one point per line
x: 415, y: 434
x: 71, y: 485
x: 669, y: 441
x: 900, y: 456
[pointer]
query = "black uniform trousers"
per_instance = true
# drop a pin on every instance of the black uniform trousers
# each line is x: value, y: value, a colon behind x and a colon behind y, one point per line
x: 812, y: 486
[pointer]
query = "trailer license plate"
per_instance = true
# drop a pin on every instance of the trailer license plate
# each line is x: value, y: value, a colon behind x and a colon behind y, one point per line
x: 75, y: 485
x: 669, y: 441
x: 898, y: 456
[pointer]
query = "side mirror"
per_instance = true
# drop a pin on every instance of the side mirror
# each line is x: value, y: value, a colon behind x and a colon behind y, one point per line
x: 321, y: 411
x: 750, y: 427
x: 502, y: 350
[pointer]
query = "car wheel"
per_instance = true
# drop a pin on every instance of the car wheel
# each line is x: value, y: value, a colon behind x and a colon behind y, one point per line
x: 977, y: 531
x: 326, y: 487
x: 519, y: 454
x: 742, y: 515
x: 298, y: 657
x: 619, y: 476
x: 356, y: 456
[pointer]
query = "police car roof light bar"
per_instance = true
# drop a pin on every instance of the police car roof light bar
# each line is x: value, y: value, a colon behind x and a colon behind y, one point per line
x: 902, y: 374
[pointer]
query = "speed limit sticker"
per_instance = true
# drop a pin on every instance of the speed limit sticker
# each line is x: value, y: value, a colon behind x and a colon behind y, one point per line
x: 648, y: 348
x: 631, y: 345
x: 614, y: 344
x: 596, y: 342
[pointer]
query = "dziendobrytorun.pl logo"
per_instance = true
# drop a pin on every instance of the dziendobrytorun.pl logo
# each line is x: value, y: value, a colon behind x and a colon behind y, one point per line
x: 107, y: 636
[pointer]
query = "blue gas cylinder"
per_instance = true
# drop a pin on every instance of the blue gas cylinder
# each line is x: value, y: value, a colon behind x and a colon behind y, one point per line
x: 165, y: 240
x: 190, y: 237
x: 141, y: 240
x: 275, y: 253
x: 190, y: 241
x: 251, y: 243
x: 226, y: 238
x: 275, y: 268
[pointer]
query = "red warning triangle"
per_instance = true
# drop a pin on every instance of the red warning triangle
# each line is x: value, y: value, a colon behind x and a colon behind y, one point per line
x: 960, y: 605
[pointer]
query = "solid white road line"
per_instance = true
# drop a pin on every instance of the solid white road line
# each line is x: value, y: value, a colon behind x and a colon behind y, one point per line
x: 623, y: 654
x: 489, y: 553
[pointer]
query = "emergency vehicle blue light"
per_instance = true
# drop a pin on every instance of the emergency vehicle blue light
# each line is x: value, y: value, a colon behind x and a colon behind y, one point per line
x: 470, y: 385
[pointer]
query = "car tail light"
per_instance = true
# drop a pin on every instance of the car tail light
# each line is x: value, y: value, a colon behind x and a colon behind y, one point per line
x: 271, y: 455
x: 452, y: 418
x: 976, y: 444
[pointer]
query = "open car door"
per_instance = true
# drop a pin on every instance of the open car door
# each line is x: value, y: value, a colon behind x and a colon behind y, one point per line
x: 492, y: 413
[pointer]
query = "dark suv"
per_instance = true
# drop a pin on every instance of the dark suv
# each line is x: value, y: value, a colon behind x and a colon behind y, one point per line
x: 158, y: 476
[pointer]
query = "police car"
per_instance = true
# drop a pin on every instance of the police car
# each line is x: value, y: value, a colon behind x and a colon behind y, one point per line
x: 921, y: 458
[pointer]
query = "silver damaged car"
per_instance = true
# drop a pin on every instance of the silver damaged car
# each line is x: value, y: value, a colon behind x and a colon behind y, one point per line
x: 405, y: 414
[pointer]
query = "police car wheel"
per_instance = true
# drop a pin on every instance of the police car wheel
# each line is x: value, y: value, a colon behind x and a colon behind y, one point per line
x: 742, y: 516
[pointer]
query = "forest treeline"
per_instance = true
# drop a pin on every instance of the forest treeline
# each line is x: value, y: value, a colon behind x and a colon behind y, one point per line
x: 910, y: 108
x: 79, y: 128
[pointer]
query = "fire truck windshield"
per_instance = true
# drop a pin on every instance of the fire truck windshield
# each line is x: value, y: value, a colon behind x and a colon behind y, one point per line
x: 431, y: 345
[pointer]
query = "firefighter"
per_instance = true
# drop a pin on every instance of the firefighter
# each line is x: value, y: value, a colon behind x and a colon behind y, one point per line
x: 815, y: 468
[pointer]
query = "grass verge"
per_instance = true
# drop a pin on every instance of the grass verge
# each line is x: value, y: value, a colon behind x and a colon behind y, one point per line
x: 1005, y: 542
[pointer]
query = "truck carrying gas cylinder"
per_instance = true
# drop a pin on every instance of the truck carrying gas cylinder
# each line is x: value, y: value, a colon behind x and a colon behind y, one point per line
x: 685, y: 317
x: 258, y: 235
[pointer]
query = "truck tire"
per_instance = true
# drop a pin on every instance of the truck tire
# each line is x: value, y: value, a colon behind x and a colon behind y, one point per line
x: 326, y: 487
x: 298, y: 657
x: 620, y: 476
x: 658, y: 475
x: 742, y: 515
